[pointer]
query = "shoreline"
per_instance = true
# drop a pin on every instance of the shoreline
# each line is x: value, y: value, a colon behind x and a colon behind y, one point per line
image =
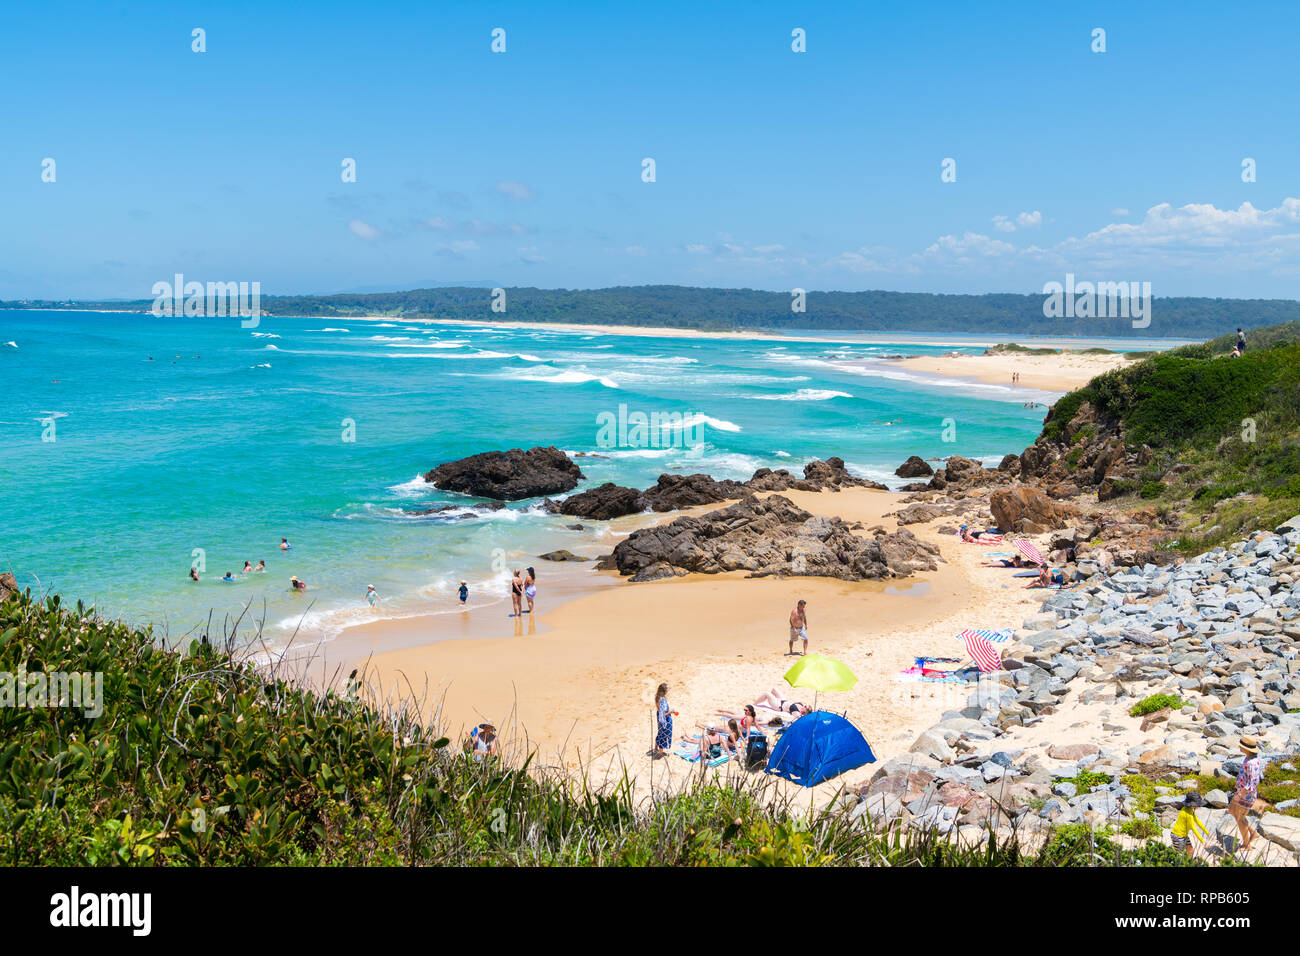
x: 575, y: 685
x: 1051, y: 373
x: 845, y: 336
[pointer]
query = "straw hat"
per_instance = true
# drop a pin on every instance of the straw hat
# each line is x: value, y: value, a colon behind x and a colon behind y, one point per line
x: 1250, y: 744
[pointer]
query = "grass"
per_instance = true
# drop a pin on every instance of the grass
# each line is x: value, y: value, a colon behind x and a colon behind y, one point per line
x: 1085, y: 780
x: 1149, y: 705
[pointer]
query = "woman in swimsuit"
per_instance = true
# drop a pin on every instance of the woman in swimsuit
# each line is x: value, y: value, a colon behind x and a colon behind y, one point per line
x: 517, y: 593
x: 194, y: 573
x: 1004, y: 563
x: 248, y: 567
x: 261, y: 565
x: 530, y: 588
x: 773, y: 700
x: 284, y: 544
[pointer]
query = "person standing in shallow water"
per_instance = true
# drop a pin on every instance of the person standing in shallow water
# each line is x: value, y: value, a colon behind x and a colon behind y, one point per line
x: 517, y: 593
x: 530, y: 588
x: 663, y: 723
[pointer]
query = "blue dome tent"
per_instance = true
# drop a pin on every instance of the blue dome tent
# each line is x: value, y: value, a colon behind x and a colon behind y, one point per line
x: 818, y: 746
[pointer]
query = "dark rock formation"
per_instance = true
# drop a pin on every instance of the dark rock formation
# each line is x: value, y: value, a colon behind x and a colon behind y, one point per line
x: 8, y: 586
x: 672, y: 492
x: 508, y: 475
x: 832, y: 475
x: 772, y: 537
x: 602, y: 503
x: 914, y: 467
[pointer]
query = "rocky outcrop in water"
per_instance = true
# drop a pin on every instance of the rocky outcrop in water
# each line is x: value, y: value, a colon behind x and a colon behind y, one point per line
x: 603, y: 503
x: 508, y: 475
x: 772, y: 536
x: 914, y: 467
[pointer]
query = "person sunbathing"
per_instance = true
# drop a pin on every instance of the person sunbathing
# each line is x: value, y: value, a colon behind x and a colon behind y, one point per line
x: 1015, y: 562
x: 775, y: 700
x: 740, y: 723
x: 714, y: 744
x: 1047, y: 577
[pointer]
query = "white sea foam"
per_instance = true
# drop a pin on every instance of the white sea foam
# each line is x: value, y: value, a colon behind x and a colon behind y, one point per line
x: 329, y: 330
x: 539, y: 373
x: 273, y: 348
x: 782, y: 454
x: 265, y: 335
x: 806, y: 395
x: 409, y: 489
x: 699, y: 418
x: 263, y: 365
x: 388, y: 338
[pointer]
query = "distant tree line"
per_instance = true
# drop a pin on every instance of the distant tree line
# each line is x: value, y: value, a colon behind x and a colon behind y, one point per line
x: 723, y: 309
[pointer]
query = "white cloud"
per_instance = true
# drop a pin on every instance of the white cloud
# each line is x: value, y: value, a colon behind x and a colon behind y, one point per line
x: 514, y: 190
x: 635, y: 250
x: 363, y: 229
x: 697, y: 249
x: 1027, y: 220
x: 1119, y: 211
x: 1002, y: 224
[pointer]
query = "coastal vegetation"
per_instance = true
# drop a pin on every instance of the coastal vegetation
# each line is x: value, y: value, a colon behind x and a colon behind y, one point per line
x: 1219, y: 436
x: 755, y: 309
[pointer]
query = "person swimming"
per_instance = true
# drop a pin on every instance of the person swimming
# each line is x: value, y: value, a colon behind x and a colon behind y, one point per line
x: 194, y: 573
x: 229, y: 577
x: 248, y: 568
x: 297, y: 585
x: 284, y: 544
x: 261, y: 565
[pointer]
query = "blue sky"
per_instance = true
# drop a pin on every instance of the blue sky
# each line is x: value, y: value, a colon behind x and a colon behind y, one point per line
x: 774, y: 169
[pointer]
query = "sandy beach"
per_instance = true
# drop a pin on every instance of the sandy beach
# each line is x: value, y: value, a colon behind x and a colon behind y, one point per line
x: 1053, y: 373
x: 576, y: 684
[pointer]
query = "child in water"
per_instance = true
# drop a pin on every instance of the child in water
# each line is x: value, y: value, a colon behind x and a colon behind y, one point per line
x: 248, y: 567
x: 261, y: 565
x: 229, y: 577
x: 194, y: 573
x: 464, y: 593
x: 371, y: 595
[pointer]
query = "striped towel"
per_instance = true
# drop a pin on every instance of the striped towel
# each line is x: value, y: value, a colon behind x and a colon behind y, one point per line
x: 981, y: 652
x: 997, y: 637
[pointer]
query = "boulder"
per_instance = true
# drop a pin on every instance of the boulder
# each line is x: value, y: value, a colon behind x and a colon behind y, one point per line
x: 831, y: 473
x: 914, y: 467
x: 1028, y: 510
x: 602, y: 503
x: 508, y: 475
x: 1072, y: 752
x: 8, y: 586
x: 772, y: 536
x: 562, y: 555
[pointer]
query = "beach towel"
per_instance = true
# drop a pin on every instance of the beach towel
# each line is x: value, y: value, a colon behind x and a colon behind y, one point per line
x: 1030, y: 552
x: 922, y: 671
x: 981, y: 652
x: 1025, y: 574
x: 998, y: 636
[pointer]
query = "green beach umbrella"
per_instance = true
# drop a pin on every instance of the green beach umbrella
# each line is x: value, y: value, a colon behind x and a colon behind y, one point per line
x: 821, y: 674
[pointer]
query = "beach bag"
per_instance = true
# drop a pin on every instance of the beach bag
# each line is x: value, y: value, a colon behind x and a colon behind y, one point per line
x: 755, y: 750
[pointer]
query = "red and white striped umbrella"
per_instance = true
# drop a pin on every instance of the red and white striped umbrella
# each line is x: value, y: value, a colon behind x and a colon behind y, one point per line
x: 981, y: 652
x: 1030, y: 552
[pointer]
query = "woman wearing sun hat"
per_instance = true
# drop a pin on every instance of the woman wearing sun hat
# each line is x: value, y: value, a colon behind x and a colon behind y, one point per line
x: 1246, y: 797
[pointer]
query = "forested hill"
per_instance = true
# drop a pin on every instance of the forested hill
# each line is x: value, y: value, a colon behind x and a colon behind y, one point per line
x: 720, y: 309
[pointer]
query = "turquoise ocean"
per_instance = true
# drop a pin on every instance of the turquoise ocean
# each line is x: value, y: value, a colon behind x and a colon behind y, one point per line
x: 133, y: 446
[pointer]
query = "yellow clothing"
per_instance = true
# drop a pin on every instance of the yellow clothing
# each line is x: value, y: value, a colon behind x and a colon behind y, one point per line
x: 1187, y: 821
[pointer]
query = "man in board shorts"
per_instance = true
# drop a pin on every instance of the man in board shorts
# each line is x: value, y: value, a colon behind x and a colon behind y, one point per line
x: 799, y: 626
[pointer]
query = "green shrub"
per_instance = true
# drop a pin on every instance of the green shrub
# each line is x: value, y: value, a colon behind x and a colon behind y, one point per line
x: 1152, y: 489
x: 1149, y: 705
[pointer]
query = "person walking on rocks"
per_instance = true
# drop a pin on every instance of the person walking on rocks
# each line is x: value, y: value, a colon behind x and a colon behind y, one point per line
x: 1246, y: 797
x: 1186, y: 826
x: 799, y: 626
